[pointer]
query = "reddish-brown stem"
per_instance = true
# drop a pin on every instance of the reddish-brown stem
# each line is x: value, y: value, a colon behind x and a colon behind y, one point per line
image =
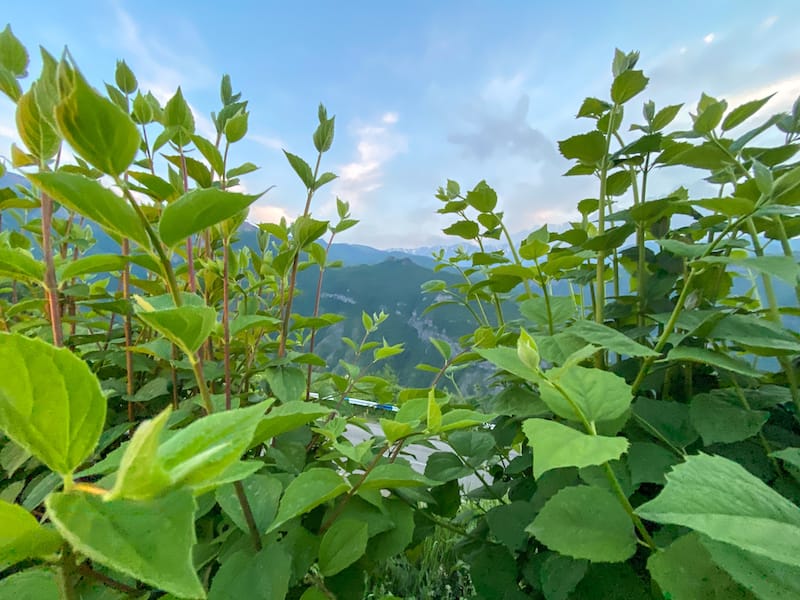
x: 317, y: 298
x: 226, y: 326
x: 50, y: 282
x: 293, y: 276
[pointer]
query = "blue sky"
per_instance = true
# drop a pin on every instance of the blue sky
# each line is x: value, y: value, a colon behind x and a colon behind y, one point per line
x: 422, y: 91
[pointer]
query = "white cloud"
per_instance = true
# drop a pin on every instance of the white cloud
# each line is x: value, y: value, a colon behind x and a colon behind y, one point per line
x: 786, y: 91
x: 768, y: 22
x: 709, y: 38
x: 377, y: 145
x: 159, y: 68
x: 261, y: 213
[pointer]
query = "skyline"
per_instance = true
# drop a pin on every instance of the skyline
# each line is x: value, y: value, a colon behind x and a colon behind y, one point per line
x: 421, y: 93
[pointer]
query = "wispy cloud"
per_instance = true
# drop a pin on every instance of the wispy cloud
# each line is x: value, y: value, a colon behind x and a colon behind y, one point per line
x: 270, y: 142
x: 377, y: 144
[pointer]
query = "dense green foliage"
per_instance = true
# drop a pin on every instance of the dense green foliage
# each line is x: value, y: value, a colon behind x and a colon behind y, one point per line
x: 639, y: 437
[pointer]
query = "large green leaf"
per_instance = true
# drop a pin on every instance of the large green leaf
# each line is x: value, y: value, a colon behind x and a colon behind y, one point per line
x: 18, y: 264
x: 22, y: 537
x: 394, y: 475
x: 287, y: 417
x: 556, y: 445
x: 718, y: 421
x: 89, y: 198
x: 765, y: 578
x: 782, y: 267
x: 506, y: 358
x: 598, y: 395
x: 665, y: 419
x: 201, y: 452
x: 608, y: 338
x: 286, y: 382
x: 140, y: 474
x: 507, y: 523
x: 188, y: 325
x: 685, y: 571
x: 96, y: 263
x: 264, y: 576
x: 32, y: 584
x: 199, y: 209
x: 97, y: 129
x: 560, y: 574
x: 342, y: 545
x: 721, y: 499
x: 713, y: 358
x: 308, y: 490
x: 35, y: 128
x: 51, y: 404
x: 150, y: 540
x: 585, y: 522
x: 263, y: 493
x: 627, y: 85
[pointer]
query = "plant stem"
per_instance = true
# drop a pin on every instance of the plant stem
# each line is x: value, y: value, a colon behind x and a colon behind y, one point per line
x: 201, y: 382
x: 50, y: 281
x: 317, y: 298
x: 126, y: 325
x: 87, y: 571
x: 600, y: 297
x: 248, y: 515
x: 66, y: 574
x: 293, y: 275
x: 226, y: 326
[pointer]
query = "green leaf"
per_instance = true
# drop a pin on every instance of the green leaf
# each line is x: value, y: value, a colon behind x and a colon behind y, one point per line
x: 608, y: 338
x: 556, y: 445
x: 342, y: 545
x: 287, y: 417
x: 562, y: 309
x: 89, y: 198
x: 782, y: 267
x: 394, y: 430
x: 482, y: 198
x: 721, y: 499
x: 140, y: 474
x: 586, y: 147
x: 665, y: 116
x: 31, y: 584
x: 50, y: 402
x: 598, y: 395
x: 188, y: 325
x: 686, y: 571
x: 35, y: 128
x: 100, y: 132
x: 124, y: 78
x: 713, y: 358
x: 178, y: 119
x: 22, y: 537
x: 743, y: 112
x: 96, y: 263
x: 307, y: 491
x: 210, y: 152
x: 394, y: 475
x: 567, y: 525
x: 434, y: 418
x: 506, y: 358
x: 13, y: 55
x: 198, y: 210
x: 236, y: 127
x: 287, y: 383
x: 199, y: 453
x: 150, y: 540
x: 507, y: 523
x: 649, y: 463
x: 19, y: 264
x: 468, y: 230
x: 264, y: 576
x: 301, y: 168
x: 263, y: 493
x: 789, y: 455
x: 709, y: 114
x: 444, y: 466
x: 764, y: 578
x: 461, y: 418
x: 665, y: 419
x: 245, y: 322
x: 718, y: 421
x: 627, y: 85
x: 560, y: 574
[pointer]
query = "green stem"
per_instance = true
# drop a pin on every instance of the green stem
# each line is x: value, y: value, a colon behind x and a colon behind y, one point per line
x: 66, y: 574
x: 201, y: 382
x: 517, y: 259
x: 600, y: 298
